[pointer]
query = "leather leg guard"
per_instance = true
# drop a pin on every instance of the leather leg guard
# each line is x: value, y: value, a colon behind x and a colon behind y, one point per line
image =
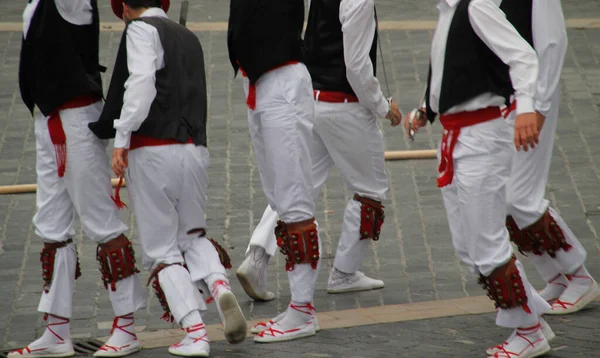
x: 505, y: 286
x: 117, y: 261
x: 544, y: 236
x: 371, y: 217
x: 159, y: 292
x: 299, y: 242
x: 47, y: 259
x: 223, y: 255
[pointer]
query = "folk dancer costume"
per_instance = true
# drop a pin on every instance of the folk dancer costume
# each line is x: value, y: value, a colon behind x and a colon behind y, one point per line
x: 536, y: 228
x: 59, y: 73
x: 162, y: 123
x: 341, y: 55
x: 265, y: 44
x: 478, y: 62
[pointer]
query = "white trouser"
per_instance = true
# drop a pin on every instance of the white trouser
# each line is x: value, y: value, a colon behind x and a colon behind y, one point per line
x: 348, y: 136
x: 476, y: 209
x: 525, y: 196
x: 85, y: 189
x: 167, y: 187
x: 281, y: 128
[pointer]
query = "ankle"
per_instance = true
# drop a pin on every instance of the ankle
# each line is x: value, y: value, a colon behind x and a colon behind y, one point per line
x: 580, y: 275
x: 559, y: 280
x: 218, y: 283
x: 530, y: 329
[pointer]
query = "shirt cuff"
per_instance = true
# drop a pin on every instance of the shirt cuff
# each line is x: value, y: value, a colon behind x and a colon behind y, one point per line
x: 543, y: 108
x: 524, y: 105
x: 122, y: 140
x: 383, y: 107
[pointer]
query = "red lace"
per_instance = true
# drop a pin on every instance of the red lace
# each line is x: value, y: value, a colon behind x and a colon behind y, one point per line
x: 115, y: 325
x: 49, y: 326
x: 559, y: 283
x: 521, y: 333
x: 117, y: 197
x: 215, y: 287
x: 308, y: 306
x: 272, y: 332
x: 192, y: 329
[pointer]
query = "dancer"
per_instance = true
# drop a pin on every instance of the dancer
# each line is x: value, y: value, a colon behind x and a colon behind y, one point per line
x: 59, y: 73
x: 264, y: 43
x: 535, y: 227
x: 160, y: 147
x: 478, y: 61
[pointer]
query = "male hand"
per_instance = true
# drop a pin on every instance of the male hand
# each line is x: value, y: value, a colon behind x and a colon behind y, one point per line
x: 540, y: 120
x: 394, y: 114
x: 418, y: 118
x: 120, y: 161
x: 526, y: 131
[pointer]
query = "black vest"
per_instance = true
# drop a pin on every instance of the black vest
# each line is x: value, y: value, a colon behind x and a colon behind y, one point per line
x: 324, y: 47
x: 264, y: 34
x: 59, y: 60
x: 471, y: 68
x: 179, y: 110
x: 520, y: 15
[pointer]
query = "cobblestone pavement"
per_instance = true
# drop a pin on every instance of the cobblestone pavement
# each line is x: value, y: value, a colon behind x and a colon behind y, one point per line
x: 446, y: 337
x: 414, y: 257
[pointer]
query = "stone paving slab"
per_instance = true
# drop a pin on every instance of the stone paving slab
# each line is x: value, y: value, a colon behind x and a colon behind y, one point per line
x: 463, y: 336
x: 414, y: 257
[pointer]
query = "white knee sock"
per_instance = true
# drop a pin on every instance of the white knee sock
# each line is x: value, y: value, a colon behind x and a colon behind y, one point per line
x: 57, y: 331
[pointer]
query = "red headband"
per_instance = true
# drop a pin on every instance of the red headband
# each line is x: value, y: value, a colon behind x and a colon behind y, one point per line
x: 117, y: 6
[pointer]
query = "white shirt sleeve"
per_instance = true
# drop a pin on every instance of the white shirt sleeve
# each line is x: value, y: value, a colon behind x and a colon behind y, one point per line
x: 492, y: 27
x: 550, y: 41
x: 144, y: 55
x: 77, y: 12
x: 358, y: 26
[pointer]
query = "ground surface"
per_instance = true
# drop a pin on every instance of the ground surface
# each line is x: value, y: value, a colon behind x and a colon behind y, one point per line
x: 414, y: 257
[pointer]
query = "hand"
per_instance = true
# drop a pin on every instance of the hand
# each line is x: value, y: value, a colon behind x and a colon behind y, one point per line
x: 418, y: 118
x: 394, y: 114
x: 540, y: 120
x: 120, y: 161
x: 526, y: 131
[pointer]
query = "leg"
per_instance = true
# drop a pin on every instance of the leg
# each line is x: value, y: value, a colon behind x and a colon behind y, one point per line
x: 201, y: 256
x: 285, y: 111
x: 482, y: 160
x: 353, y: 139
x: 253, y: 271
x: 561, y: 255
x: 155, y: 179
x: 54, y: 224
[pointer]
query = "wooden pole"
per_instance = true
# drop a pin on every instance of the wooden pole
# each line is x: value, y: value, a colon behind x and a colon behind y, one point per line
x: 32, y: 188
x: 391, y: 155
x: 411, y: 154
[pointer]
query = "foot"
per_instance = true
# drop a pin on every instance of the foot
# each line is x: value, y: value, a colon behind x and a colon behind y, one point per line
x: 296, y: 323
x: 546, y: 330
x: 523, y: 343
x: 231, y: 314
x: 582, y: 290
x: 55, y: 342
x: 340, y: 282
x: 195, y: 343
x: 123, y: 340
x: 554, y: 288
x: 261, y: 326
x: 253, y: 275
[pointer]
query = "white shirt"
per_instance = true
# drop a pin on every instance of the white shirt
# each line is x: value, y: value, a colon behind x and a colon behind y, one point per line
x: 358, y: 26
x: 77, y: 12
x: 145, y: 56
x: 492, y: 27
x: 550, y: 41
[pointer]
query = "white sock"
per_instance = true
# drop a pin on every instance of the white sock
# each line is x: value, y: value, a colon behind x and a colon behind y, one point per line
x: 57, y: 331
x: 581, y: 276
x: 298, y: 314
x: 217, y: 282
x: 191, y: 319
x: 123, y: 331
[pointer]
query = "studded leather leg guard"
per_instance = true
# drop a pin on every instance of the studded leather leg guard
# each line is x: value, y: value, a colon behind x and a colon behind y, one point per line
x: 505, y: 286
x: 372, y: 217
x: 223, y: 255
x: 544, y: 236
x: 117, y: 261
x: 299, y: 242
x: 160, y: 294
x: 47, y: 259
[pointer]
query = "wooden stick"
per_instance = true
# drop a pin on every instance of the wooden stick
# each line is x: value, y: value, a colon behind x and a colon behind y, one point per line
x: 32, y: 188
x: 411, y: 154
x: 392, y: 155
